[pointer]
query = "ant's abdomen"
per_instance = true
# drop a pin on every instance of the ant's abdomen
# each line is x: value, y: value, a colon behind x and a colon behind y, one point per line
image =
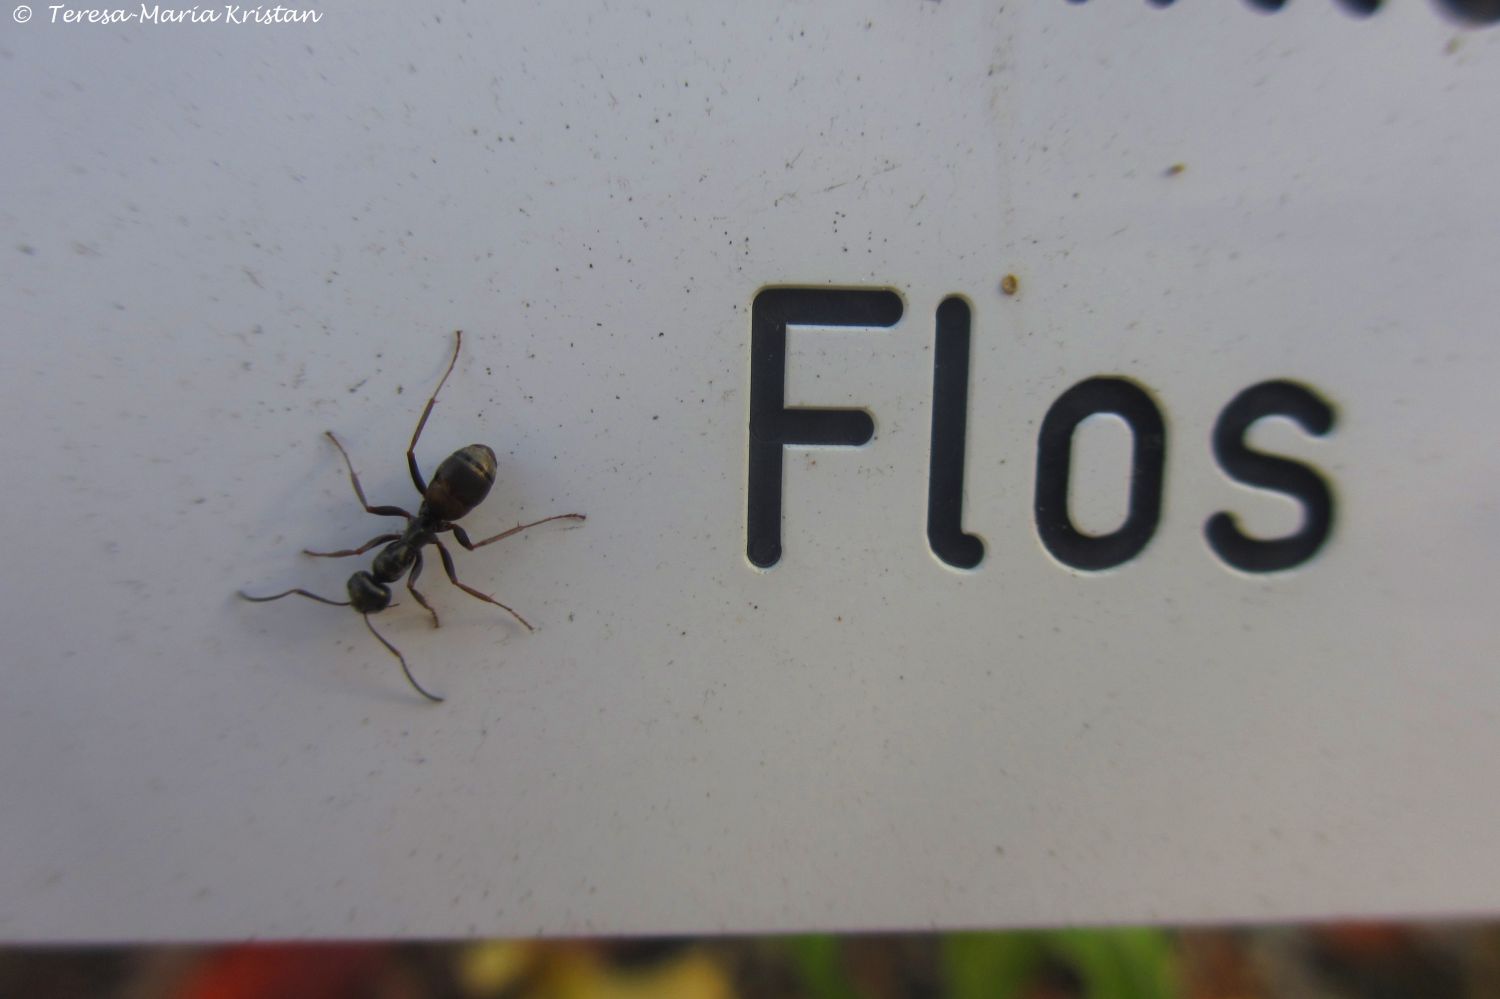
x: 368, y: 594
x: 461, y: 483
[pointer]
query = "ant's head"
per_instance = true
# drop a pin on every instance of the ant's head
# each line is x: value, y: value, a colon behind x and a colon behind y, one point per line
x: 368, y: 594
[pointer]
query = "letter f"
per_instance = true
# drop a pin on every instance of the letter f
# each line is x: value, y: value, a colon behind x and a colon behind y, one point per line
x: 773, y: 426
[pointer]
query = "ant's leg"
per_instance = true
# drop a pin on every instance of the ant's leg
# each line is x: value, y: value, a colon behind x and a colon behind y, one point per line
x: 402, y: 660
x: 381, y: 511
x: 287, y: 593
x: 453, y: 575
x: 411, y: 584
x: 382, y: 539
x: 463, y: 538
x: 411, y: 457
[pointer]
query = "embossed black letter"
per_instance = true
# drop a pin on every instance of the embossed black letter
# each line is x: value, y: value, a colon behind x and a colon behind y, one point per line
x: 950, y: 420
x: 772, y: 426
x: 1054, y: 460
x: 1274, y: 398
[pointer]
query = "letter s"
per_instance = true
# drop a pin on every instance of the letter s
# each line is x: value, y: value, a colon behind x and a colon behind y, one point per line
x: 1301, y: 483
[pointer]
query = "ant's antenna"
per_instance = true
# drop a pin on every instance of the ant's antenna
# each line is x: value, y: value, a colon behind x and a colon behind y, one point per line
x: 300, y: 593
x: 344, y: 603
x: 402, y: 660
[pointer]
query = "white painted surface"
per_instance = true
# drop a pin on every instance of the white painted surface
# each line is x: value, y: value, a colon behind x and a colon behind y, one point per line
x: 221, y: 241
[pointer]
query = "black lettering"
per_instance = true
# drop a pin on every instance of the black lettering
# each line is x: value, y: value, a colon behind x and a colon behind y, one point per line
x: 1361, y: 8
x: 1054, y: 460
x: 950, y: 419
x: 773, y: 427
x: 1475, y: 11
x: 1479, y: 12
x: 1312, y: 414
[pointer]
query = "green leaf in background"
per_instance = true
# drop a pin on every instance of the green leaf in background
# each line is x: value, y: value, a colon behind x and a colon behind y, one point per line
x: 1110, y: 964
x: 1119, y: 963
x: 819, y: 961
x: 990, y: 965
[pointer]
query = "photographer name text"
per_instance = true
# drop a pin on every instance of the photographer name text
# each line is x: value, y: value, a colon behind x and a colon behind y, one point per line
x: 157, y: 14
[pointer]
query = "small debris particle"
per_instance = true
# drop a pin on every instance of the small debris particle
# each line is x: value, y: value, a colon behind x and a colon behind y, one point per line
x: 1174, y: 170
x: 1010, y: 284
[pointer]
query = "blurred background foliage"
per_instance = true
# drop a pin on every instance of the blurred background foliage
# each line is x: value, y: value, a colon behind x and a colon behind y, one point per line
x: 1332, y: 961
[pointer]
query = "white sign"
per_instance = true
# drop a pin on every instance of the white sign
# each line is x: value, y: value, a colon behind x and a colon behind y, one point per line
x: 1039, y: 460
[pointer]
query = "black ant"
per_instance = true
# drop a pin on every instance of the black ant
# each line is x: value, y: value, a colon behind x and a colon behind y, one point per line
x: 462, y: 482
